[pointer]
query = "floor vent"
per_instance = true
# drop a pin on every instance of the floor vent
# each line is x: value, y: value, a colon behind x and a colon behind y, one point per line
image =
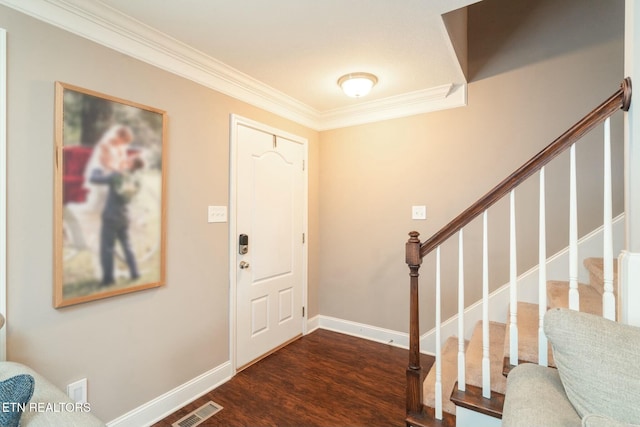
x: 198, y: 416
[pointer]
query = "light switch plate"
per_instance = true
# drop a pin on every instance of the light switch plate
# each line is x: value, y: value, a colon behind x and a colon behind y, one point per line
x: 217, y: 214
x: 419, y: 212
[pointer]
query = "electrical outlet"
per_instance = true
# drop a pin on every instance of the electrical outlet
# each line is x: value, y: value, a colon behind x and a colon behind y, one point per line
x: 77, y: 391
x: 217, y: 214
x: 419, y: 212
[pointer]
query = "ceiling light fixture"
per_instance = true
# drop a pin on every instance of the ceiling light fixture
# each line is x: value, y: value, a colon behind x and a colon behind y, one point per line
x: 357, y: 85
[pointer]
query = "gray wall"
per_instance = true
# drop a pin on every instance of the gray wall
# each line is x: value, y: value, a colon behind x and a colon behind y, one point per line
x: 536, y: 67
x: 135, y: 347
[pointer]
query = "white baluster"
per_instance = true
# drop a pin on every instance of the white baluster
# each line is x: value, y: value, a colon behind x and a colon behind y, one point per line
x: 513, y: 285
x: 574, y: 298
x: 438, y: 385
x: 608, y: 299
x: 542, y: 278
x: 461, y: 359
x: 486, y: 361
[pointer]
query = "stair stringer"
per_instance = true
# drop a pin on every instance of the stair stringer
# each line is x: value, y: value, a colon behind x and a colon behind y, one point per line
x: 557, y: 269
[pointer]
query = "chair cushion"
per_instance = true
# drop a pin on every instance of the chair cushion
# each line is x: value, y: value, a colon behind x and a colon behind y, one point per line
x: 598, y: 361
x: 535, y: 398
x: 594, y: 420
x: 15, y: 392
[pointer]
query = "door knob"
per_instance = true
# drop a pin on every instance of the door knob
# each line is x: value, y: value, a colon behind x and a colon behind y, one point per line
x: 244, y: 265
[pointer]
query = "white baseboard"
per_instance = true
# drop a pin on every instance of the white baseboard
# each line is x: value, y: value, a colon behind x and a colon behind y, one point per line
x: 313, y: 324
x: 361, y: 330
x: 162, y: 406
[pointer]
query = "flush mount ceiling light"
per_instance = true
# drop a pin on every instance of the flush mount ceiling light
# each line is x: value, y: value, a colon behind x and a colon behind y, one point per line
x: 357, y: 85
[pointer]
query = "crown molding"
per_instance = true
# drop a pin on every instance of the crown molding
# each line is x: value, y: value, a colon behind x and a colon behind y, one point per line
x: 408, y: 104
x: 106, y: 26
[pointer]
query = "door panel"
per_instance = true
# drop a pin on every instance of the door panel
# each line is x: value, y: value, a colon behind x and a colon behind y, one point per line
x: 259, y: 315
x: 273, y: 201
x: 270, y: 189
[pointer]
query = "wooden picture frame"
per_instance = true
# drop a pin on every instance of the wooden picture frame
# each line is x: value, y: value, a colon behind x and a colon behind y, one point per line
x: 109, y: 197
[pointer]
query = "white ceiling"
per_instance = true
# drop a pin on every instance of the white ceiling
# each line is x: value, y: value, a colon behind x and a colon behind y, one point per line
x: 291, y: 50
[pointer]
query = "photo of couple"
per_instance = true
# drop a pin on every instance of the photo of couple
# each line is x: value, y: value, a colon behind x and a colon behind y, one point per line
x: 109, y: 227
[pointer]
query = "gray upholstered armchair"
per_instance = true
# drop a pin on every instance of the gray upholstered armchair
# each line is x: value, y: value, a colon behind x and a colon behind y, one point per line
x: 597, y: 383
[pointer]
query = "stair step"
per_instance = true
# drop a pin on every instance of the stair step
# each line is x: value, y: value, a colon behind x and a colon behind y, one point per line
x: 472, y: 399
x: 496, y: 353
x: 528, y: 322
x: 449, y: 376
x: 595, y: 266
x: 558, y: 297
x: 427, y: 419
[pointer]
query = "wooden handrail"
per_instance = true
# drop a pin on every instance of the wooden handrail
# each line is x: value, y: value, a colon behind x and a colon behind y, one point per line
x: 619, y: 100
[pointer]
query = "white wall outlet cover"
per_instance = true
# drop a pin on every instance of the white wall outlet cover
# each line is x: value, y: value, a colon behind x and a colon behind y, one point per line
x: 77, y: 391
x: 419, y: 212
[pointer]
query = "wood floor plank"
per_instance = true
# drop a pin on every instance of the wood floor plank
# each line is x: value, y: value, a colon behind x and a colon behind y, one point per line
x: 323, y: 379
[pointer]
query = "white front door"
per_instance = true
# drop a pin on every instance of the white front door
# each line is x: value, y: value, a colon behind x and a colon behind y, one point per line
x: 270, y: 213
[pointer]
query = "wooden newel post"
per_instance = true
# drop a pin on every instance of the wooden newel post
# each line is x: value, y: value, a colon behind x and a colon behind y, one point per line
x: 414, y: 371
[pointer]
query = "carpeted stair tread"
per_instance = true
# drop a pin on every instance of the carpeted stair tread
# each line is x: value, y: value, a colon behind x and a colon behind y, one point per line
x: 496, y: 353
x: 528, y: 322
x: 595, y: 266
x: 449, y: 377
x: 558, y: 297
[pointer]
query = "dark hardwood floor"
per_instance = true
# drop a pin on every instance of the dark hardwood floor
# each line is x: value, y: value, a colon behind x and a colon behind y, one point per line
x: 322, y: 379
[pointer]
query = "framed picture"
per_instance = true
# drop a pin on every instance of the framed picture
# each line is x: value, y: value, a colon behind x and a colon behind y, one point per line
x: 110, y: 196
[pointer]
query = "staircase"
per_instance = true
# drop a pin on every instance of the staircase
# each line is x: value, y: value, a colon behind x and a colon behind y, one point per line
x: 467, y: 383
x: 528, y: 320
